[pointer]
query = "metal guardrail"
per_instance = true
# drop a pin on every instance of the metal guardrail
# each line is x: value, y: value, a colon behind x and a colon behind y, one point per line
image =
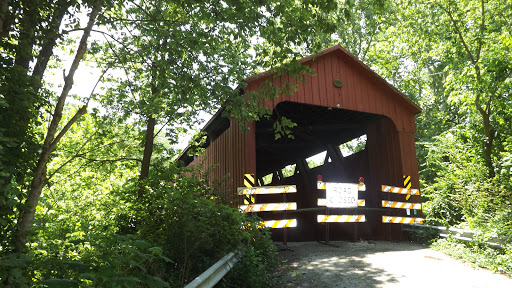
x: 456, y: 233
x: 215, y: 273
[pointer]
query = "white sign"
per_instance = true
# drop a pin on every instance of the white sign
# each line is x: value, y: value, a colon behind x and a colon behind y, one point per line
x: 341, y: 195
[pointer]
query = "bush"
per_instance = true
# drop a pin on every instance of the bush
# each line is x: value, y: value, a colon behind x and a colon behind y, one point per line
x: 495, y: 259
x: 174, y: 233
x: 458, y: 191
x: 195, y: 230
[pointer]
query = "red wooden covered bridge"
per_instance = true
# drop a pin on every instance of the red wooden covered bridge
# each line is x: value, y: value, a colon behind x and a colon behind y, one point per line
x: 342, y: 100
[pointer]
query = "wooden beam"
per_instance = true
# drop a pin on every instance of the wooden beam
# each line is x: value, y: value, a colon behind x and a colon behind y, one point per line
x: 322, y: 127
x: 302, y: 164
x: 334, y: 152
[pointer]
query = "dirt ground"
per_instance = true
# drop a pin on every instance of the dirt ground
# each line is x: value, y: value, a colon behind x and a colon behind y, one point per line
x: 377, y: 264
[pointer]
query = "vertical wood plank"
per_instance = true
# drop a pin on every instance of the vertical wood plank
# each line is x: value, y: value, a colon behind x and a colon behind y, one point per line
x: 315, y: 84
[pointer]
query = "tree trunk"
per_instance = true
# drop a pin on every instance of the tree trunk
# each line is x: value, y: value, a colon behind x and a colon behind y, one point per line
x: 27, y: 38
x: 148, y: 151
x: 4, y: 23
x: 26, y: 217
x: 150, y: 137
x: 488, y: 144
x: 486, y: 123
x: 52, y: 34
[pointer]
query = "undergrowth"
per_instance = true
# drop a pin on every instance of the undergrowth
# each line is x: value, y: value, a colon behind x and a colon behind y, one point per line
x: 481, y: 255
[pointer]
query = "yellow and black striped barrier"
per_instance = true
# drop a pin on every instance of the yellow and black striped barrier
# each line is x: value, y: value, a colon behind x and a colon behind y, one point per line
x: 401, y: 205
x: 279, y: 223
x: 268, y: 207
x: 401, y: 220
x: 407, y: 181
x: 250, y: 190
x: 340, y: 218
x: 267, y: 190
x: 399, y: 190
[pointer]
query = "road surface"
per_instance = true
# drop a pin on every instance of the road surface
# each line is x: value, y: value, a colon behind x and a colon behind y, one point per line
x: 377, y: 264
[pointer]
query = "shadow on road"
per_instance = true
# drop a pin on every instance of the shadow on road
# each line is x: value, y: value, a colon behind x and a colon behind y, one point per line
x: 347, y: 264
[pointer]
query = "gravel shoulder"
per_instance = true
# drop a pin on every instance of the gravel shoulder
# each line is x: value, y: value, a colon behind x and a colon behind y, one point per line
x: 377, y: 264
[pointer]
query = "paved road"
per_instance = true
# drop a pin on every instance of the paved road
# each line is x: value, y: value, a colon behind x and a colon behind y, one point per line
x: 378, y: 264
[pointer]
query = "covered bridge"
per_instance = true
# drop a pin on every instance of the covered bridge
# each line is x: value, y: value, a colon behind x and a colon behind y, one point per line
x: 343, y: 100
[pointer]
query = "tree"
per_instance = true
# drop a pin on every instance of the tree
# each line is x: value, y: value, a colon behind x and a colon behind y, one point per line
x: 358, y: 25
x: 462, y: 48
x: 28, y: 35
x: 52, y: 138
x: 34, y: 33
x: 179, y: 58
x: 482, y: 35
x: 169, y: 50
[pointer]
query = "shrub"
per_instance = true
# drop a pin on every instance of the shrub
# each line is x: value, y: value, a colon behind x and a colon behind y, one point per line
x: 195, y: 230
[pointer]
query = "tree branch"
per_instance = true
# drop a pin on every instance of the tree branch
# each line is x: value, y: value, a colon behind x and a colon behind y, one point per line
x: 119, y: 59
x: 459, y: 33
x: 145, y: 20
x: 78, y: 114
x: 370, y: 42
x: 50, y: 141
x: 26, y: 216
x: 52, y: 35
x: 168, y: 120
x: 482, y: 27
x: 109, y: 160
x: 97, y: 82
x: 72, y: 158
x: 81, y: 111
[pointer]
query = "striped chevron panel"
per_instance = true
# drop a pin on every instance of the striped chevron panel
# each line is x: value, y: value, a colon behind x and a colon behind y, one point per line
x: 268, y: 207
x: 398, y: 190
x: 280, y: 223
x: 249, y: 180
x: 267, y: 190
x: 322, y: 185
x: 404, y: 220
x: 323, y: 202
x: 407, y: 181
x: 401, y: 205
x: 340, y: 218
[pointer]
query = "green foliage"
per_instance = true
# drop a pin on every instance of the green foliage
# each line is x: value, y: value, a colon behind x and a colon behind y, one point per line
x: 453, y: 58
x: 183, y: 216
x: 460, y: 192
x: 495, y: 259
x: 423, y: 236
x: 165, y: 240
x: 257, y: 263
x: 13, y: 268
x: 102, y: 261
x: 283, y: 128
x: 454, y: 165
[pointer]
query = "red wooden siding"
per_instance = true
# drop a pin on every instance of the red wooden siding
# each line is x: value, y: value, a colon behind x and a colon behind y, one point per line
x: 361, y: 91
x: 230, y: 155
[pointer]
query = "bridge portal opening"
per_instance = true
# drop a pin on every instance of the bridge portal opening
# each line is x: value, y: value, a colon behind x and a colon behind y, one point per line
x: 329, y: 143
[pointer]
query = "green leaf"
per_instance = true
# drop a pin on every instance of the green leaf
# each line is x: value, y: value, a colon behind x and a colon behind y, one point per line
x: 60, y: 283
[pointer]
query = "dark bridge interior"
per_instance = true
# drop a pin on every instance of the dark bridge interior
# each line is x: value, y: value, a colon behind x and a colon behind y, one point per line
x: 319, y: 129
